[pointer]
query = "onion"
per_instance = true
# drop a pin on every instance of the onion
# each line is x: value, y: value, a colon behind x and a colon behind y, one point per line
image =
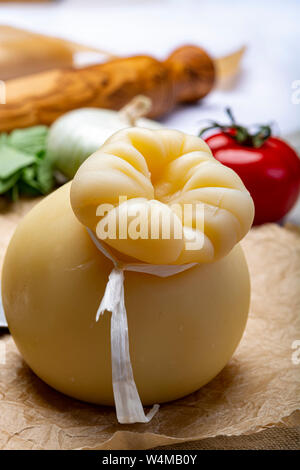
x: 77, y: 134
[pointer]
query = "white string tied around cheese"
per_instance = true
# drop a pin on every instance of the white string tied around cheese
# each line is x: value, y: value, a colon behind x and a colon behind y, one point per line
x: 128, y: 404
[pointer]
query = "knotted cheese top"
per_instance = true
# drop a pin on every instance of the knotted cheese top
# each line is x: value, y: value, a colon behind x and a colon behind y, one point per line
x: 171, y: 177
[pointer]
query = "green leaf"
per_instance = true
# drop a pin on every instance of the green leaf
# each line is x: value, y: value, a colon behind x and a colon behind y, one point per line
x: 24, y: 168
x: 3, y: 138
x: 12, y: 160
x: 15, y: 193
x: 27, y: 190
x: 8, y: 183
x: 29, y: 177
x: 31, y: 140
x: 45, y: 176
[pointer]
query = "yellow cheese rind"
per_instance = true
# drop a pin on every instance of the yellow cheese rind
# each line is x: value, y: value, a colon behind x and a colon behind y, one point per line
x: 182, y: 329
x: 174, y: 169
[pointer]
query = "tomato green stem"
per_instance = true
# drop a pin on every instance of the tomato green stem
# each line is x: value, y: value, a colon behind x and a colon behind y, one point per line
x: 239, y: 133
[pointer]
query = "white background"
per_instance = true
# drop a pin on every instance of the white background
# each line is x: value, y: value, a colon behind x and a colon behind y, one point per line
x: 269, y: 28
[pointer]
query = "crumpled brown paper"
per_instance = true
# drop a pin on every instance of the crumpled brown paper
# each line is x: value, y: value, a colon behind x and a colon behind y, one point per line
x: 257, y: 389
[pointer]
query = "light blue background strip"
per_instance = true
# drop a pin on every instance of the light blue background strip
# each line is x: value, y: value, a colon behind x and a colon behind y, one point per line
x: 2, y: 317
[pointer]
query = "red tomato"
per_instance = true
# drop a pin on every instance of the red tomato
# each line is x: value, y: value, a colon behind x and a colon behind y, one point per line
x: 271, y: 173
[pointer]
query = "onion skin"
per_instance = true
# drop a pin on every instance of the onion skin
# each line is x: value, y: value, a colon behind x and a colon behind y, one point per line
x: 79, y: 133
x: 187, y: 75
